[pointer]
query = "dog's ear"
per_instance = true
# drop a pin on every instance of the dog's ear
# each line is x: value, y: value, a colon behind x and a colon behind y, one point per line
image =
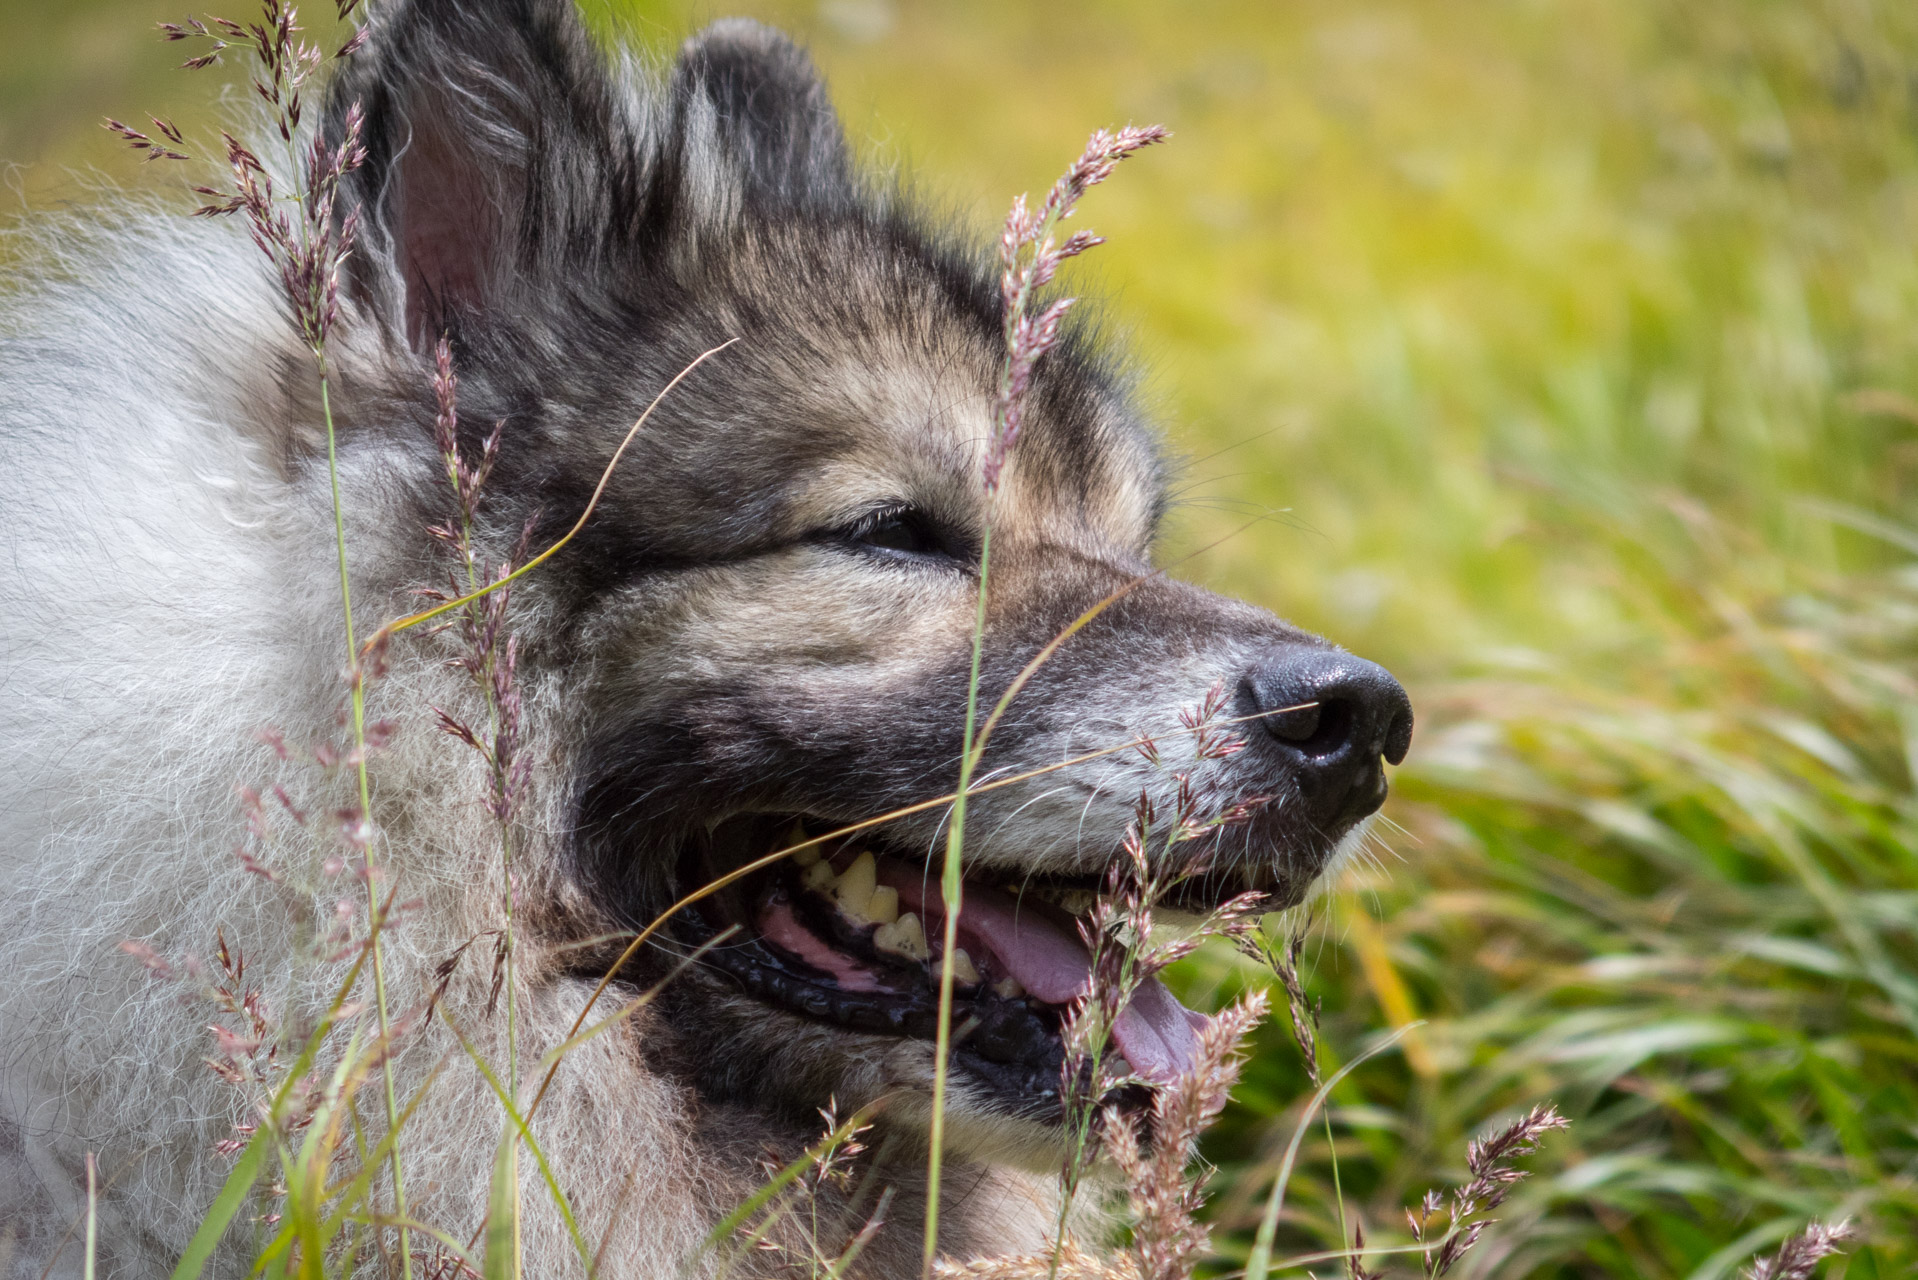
x: 500, y: 157
x: 506, y: 169
x: 752, y: 128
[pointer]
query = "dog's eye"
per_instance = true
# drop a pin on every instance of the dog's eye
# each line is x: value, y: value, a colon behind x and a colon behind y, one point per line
x: 904, y: 532
x: 899, y: 533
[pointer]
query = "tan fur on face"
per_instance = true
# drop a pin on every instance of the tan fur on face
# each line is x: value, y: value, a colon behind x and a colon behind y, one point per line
x: 924, y: 428
x: 170, y: 589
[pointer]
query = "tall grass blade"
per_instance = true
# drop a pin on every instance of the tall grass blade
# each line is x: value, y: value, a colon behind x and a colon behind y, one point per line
x: 952, y: 890
x: 93, y: 1218
x: 1259, y: 1262
x: 233, y: 1194
x: 786, y: 1176
x: 501, y: 1259
x: 560, y: 1200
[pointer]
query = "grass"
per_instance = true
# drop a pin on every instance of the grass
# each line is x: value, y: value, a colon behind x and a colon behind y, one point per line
x: 1566, y: 350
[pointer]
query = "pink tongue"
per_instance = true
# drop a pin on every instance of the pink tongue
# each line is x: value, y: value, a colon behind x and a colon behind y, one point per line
x: 1156, y: 1033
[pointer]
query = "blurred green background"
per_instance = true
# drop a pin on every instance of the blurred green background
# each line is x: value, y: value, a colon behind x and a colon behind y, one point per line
x: 1561, y: 355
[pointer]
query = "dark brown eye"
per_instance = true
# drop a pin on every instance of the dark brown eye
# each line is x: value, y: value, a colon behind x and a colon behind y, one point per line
x: 904, y: 532
x: 900, y: 532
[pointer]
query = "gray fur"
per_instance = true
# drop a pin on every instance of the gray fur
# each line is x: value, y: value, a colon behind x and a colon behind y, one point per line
x: 716, y: 643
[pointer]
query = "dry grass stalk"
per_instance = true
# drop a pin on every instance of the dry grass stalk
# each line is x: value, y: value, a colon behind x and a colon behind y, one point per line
x: 1489, y: 1162
x: 1800, y: 1255
x: 1071, y: 1261
x: 1029, y: 257
x: 1283, y: 960
x: 1167, y: 1237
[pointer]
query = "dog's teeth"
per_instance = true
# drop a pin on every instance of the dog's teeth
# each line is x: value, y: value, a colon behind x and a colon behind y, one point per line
x: 1119, y: 1066
x: 964, y: 972
x: 1075, y: 902
x: 819, y: 877
x: 883, y: 907
x: 855, y: 887
x: 903, y: 937
x: 807, y: 856
x: 1009, y: 988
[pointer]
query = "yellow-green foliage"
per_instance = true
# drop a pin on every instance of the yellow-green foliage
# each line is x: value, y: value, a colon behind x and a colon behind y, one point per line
x: 1564, y: 357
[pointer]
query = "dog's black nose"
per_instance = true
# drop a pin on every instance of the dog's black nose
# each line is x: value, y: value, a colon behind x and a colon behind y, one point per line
x: 1332, y: 717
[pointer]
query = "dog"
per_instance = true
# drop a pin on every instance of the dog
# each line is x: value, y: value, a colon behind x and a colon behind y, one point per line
x: 762, y: 634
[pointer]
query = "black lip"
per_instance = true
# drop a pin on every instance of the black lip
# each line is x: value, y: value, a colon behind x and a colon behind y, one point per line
x: 1009, y: 1031
x: 1014, y: 1044
x: 1012, y: 1047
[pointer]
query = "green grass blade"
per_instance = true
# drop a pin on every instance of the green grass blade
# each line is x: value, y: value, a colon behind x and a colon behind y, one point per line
x: 93, y: 1214
x: 233, y: 1194
x: 349, y: 1194
x: 786, y: 1176
x: 539, y: 1156
x: 271, y: 1258
x: 1259, y: 1263
x: 501, y: 1260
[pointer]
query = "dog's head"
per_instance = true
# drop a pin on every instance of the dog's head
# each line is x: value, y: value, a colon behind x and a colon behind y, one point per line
x: 765, y: 631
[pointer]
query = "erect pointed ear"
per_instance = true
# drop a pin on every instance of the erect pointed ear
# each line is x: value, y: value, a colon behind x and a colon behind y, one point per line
x: 753, y: 128
x: 499, y: 158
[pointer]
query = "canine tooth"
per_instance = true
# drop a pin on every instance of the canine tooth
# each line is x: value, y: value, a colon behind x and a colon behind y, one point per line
x: 807, y: 856
x: 1009, y: 988
x: 1077, y: 901
x: 883, y: 907
x: 964, y: 972
x: 855, y: 886
x: 1119, y: 1066
x: 819, y: 877
x: 903, y: 937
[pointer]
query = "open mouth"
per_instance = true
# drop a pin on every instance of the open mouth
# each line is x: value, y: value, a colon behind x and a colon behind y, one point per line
x: 844, y: 932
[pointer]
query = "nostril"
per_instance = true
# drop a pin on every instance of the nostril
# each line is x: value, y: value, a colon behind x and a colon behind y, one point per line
x: 1295, y: 724
x: 1317, y: 729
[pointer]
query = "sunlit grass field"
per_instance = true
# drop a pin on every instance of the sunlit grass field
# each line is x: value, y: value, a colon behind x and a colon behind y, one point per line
x: 1563, y: 356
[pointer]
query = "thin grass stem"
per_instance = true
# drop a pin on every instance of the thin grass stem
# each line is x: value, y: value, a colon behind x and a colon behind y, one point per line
x: 557, y: 1054
x: 1298, y: 1260
x: 93, y: 1219
x: 859, y: 1242
x: 560, y: 1200
x: 1338, y: 1189
x: 952, y: 889
x: 376, y: 916
x: 1258, y: 1263
x: 789, y: 1174
x: 349, y: 1192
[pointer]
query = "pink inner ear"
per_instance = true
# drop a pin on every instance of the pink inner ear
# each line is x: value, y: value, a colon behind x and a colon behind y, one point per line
x: 450, y: 227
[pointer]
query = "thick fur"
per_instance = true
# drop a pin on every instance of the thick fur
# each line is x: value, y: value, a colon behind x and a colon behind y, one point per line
x: 718, y: 641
